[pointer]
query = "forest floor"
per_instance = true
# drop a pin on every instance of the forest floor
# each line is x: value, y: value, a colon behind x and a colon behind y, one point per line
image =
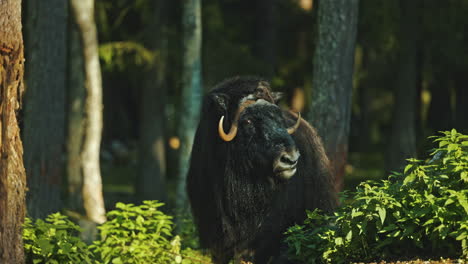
x: 441, y: 261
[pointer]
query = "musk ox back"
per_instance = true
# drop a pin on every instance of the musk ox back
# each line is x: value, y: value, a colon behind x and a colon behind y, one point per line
x: 254, y: 171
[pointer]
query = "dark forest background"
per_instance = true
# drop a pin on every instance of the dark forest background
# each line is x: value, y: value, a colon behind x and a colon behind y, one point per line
x: 100, y: 99
x: 409, y: 81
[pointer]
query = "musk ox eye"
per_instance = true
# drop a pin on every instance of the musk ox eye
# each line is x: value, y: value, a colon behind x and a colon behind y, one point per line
x: 248, y: 122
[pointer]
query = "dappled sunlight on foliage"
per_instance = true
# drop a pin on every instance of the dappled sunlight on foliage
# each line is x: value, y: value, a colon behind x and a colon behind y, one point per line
x: 54, y: 240
x: 422, y: 211
x: 118, y: 55
x: 132, y: 234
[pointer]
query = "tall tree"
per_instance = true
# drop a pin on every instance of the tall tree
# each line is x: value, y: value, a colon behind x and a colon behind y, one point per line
x: 440, y: 116
x: 12, y: 173
x: 191, y: 92
x: 151, y: 182
x: 333, y: 79
x: 44, y: 110
x: 75, y: 120
x: 264, y: 47
x: 402, y: 143
x: 83, y: 11
x: 461, y: 112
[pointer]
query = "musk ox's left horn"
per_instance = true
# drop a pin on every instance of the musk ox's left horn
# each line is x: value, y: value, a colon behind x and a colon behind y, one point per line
x: 294, y: 128
x: 232, y: 132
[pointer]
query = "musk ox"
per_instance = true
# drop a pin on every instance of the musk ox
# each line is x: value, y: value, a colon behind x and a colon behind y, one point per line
x: 254, y: 171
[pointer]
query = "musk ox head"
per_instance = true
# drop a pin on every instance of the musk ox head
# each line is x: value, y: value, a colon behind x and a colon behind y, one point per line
x: 262, y: 140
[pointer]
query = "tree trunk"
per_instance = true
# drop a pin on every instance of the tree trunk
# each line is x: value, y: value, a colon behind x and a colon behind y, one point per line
x: 333, y: 79
x: 44, y: 110
x: 83, y: 11
x: 191, y: 93
x: 402, y: 143
x: 265, y: 35
x: 461, y: 103
x: 76, y: 120
x: 12, y: 173
x: 365, y: 100
x: 151, y: 180
x: 440, y: 110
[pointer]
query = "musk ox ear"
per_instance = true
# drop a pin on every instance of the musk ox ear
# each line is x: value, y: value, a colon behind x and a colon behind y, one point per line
x: 221, y: 101
x: 277, y: 96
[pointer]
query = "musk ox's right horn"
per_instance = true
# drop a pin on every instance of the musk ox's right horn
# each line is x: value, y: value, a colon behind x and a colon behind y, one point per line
x: 232, y: 132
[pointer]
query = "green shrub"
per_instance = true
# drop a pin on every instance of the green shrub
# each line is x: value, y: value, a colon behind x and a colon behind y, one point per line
x: 188, y: 232
x: 136, y: 234
x: 54, y: 240
x: 192, y: 256
x: 421, y: 212
x: 132, y: 234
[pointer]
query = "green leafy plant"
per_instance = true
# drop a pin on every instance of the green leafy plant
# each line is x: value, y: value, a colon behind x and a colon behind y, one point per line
x: 420, y: 212
x: 187, y: 231
x: 137, y: 234
x: 132, y: 234
x: 192, y: 256
x: 54, y: 240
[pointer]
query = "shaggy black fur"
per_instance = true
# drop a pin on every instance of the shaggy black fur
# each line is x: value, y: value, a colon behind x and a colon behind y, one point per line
x: 241, y: 209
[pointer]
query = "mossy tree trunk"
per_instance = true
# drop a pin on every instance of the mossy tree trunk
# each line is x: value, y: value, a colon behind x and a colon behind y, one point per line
x: 151, y: 179
x: 44, y: 114
x: 12, y: 173
x: 191, y: 93
x: 333, y: 79
x: 402, y: 143
x: 83, y: 11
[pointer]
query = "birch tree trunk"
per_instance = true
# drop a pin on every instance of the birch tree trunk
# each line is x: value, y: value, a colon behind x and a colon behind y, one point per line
x: 330, y: 108
x: 83, y: 11
x: 44, y: 114
x: 12, y: 173
x: 191, y: 93
x: 151, y: 179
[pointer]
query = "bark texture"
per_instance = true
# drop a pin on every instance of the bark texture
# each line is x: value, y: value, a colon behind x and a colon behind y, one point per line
x: 330, y: 108
x: 191, y: 93
x: 76, y: 120
x: 44, y: 115
x: 12, y: 173
x: 83, y: 11
x: 151, y: 180
x: 402, y: 143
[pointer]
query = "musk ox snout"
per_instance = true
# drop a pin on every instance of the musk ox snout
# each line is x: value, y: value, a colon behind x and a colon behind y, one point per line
x: 285, y: 165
